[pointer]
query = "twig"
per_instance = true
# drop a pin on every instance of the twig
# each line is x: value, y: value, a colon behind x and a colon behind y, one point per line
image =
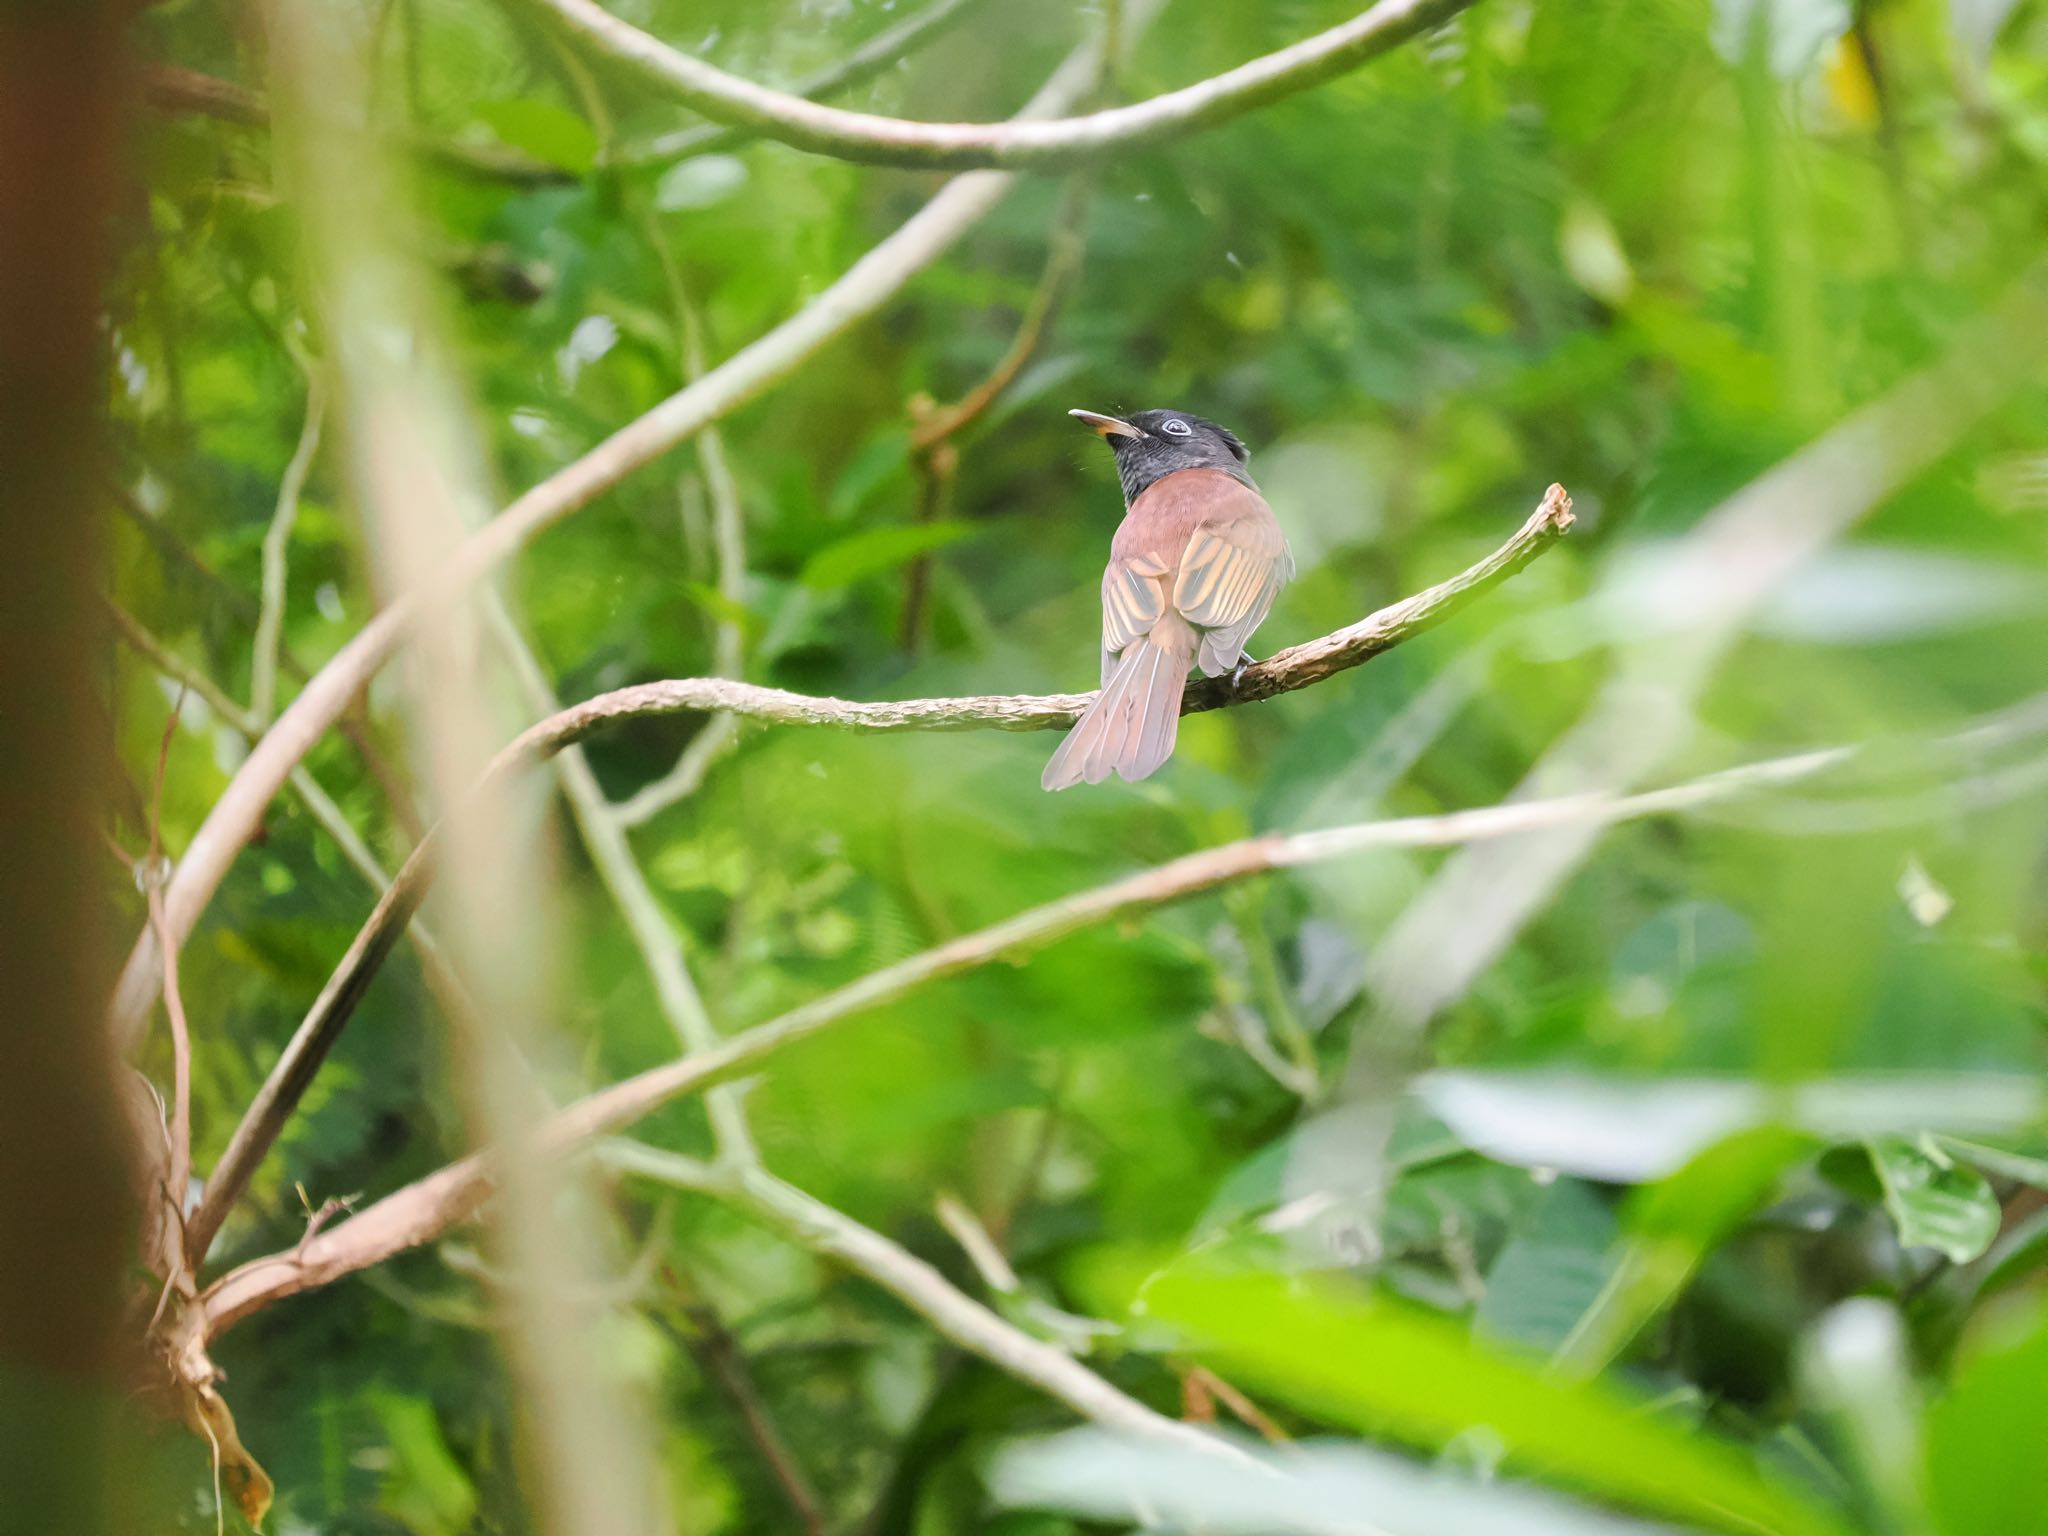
x: 327, y: 814
x: 429, y: 1206
x: 1035, y: 146
x: 863, y: 289
x: 957, y: 1316
x: 729, y: 539
x: 353, y: 722
x: 276, y: 543
x: 675, y: 990
x: 884, y: 50
x: 933, y: 427
x: 974, y: 1240
x: 1202, y: 1389
x: 178, y: 1173
x: 715, y: 1349
x: 301, y: 1058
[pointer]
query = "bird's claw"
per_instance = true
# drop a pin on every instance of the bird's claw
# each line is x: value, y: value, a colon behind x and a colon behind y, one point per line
x: 1244, y: 659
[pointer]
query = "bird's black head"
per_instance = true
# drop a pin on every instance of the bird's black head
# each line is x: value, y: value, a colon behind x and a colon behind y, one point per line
x: 1149, y: 444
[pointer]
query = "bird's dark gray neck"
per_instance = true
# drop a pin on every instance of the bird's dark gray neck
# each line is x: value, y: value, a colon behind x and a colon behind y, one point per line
x: 1139, y: 477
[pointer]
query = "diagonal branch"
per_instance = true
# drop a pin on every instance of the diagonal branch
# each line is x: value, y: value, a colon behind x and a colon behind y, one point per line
x: 862, y: 290
x: 1040, y: 145
x: 814, y: 1225
x: 424, y: 1209
x: 1298, y: 667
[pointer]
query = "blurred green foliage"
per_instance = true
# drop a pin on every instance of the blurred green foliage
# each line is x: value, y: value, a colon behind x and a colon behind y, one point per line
x: 1642, y: 247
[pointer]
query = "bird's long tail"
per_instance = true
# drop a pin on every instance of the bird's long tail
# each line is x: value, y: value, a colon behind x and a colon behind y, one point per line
x: 1131, y: 726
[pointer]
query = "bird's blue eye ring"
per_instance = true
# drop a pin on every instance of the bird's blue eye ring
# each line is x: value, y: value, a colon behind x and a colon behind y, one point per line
x: 1177, y: 427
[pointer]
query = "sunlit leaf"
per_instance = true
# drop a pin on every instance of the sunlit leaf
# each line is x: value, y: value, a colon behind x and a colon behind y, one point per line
x: 1984, y: 1434
x: 1385, y: 1368
x: 546, y: 130
x: 1934, y: 1201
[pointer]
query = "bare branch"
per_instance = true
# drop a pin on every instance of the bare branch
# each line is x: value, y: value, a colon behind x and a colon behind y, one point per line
x: 1017, y: 145
x: 864, y: 288
x: 720, y: 1355
x: 276, y: 543
x: 422, y: 1210
x: 957, y: 1316
x: 884, y: 50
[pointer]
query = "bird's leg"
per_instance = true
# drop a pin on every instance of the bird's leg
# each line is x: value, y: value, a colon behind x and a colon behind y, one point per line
x: 1244, y: 659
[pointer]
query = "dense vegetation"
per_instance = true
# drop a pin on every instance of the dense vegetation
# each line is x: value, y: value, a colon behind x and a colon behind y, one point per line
x: 1679, y: 1158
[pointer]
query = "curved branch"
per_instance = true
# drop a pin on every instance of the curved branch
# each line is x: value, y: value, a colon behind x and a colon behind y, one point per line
x: 1284, y: 672
x: 1299, y: 666
x: 884, y: 50
x: 428, y: 1207
x: 862, y: 290
x: 1039, y: 145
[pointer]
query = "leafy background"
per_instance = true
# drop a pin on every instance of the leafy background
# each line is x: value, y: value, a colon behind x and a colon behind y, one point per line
x: 1644, y: 249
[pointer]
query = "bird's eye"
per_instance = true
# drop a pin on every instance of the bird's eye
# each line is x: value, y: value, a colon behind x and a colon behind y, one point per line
x: 1177, y: 427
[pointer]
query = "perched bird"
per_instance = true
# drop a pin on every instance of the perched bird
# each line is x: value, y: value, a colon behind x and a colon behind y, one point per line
x: 1192, y: 572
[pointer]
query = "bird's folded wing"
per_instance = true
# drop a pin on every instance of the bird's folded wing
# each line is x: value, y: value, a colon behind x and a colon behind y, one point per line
x: 1133, y: 599
x: 1228, y: 577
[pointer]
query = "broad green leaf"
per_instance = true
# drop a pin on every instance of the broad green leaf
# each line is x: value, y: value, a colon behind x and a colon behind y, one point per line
x: 1934, y: 1202
x: 546, y: 130
x: 1984, y: 1437
x: 875, y: 550
x: 1384, y: 1368
x: 1552, y: 1272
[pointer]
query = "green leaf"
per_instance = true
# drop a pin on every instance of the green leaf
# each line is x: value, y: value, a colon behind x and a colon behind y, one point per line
x: 874, y: 550
x: 2017, y: 1166
x: 546, y: 130
x: 1383, y: 1368
x: 1550, y: 1274
x: 1934, y: 1201
x: 1984, y: 1437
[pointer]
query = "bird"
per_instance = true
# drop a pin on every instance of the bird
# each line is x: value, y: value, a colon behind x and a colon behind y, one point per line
x: 1193, y: 570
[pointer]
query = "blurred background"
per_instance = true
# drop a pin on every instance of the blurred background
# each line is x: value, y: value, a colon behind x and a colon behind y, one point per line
x: 1689, y: 1167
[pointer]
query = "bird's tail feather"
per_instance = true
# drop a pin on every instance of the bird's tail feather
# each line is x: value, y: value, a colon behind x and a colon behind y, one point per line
x: 1131, y: 726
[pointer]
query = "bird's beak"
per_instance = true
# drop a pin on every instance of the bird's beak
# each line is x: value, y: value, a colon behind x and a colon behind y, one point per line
x: 1105, y: 426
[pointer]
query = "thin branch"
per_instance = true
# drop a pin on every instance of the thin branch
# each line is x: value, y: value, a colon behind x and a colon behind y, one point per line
x: 729, y: 538
x: 353, y: 721
x: 1064, y: 247
x: 958, y: 1317
x: 933, y: 426
x: 686, y: 778
x: 179, y: 1173
x: 661, y: 951
x: 303, y: 1054
x: 423, y: 1210
x: 864, y: 288
x: 276, y: 543
x: 1042, y: 145
x: 715, y: 1349
x: 327, y: 814
x: 886, y: 49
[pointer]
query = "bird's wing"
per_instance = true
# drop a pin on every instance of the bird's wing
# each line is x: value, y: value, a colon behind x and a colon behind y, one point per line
x: 1227, y: 580
x: 1133, y: 598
